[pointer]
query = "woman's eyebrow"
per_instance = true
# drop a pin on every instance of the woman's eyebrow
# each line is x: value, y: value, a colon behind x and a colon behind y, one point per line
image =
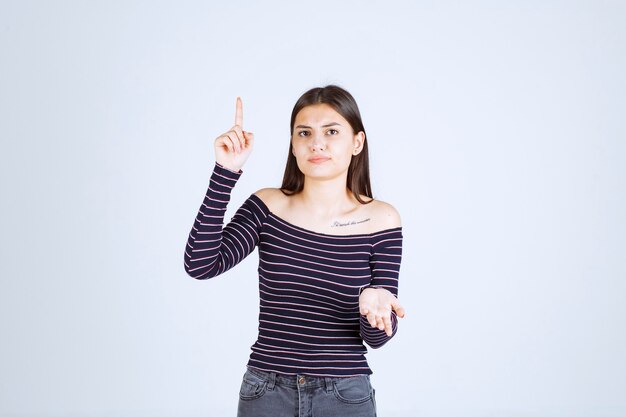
x: 309, y: 127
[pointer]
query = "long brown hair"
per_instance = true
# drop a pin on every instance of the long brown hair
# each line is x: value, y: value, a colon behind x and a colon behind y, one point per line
x: 358, y: 180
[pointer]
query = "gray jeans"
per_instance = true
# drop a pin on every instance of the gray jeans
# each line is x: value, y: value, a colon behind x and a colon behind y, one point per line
x: 268, y: 394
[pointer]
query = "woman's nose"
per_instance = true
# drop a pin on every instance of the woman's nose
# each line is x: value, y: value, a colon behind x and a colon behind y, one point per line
x: 317, y: 142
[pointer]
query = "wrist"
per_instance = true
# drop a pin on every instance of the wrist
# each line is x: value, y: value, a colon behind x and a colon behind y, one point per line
x: 368, y: 286
x: 231, y: 169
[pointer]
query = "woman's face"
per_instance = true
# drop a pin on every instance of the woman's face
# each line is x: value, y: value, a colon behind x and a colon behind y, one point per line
x: 323, y: 142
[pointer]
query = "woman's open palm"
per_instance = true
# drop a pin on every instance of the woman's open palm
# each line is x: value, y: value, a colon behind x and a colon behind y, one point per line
x: 233, y: 147
x: 376, y: 304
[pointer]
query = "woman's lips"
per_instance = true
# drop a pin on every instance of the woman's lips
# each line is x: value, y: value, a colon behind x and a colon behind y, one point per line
x: 318, y: 159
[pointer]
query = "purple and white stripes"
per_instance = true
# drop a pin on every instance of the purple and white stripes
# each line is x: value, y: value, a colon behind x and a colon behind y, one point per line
x: 309, y: 282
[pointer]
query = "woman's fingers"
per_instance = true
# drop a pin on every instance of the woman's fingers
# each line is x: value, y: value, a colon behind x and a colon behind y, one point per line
x: 371, y: 317
x: 397, y: 307
x: 240, y: 136
x: 249, y: 137
x: 239, y: 113
x: 235, y: 140
x: 238, y: 139
x: 380, y: 320
x: 380, y: 323
x: 388, y: 327
x: 383, y: 321
x: 226, y: 142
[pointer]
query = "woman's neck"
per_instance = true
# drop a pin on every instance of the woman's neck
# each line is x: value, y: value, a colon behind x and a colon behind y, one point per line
x: 326, y: 197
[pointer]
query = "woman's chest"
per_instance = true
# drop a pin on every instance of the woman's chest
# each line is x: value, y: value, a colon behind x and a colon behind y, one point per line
x: 291, y: 256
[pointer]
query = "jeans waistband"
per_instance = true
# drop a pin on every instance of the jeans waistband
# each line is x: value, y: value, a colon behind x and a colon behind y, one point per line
x: 293, y: 381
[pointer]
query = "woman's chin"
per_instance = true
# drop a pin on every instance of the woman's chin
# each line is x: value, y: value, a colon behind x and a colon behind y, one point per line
x: 321, y: 175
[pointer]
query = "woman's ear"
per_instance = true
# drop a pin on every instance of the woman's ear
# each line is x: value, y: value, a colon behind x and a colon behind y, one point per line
x: 359, y: 140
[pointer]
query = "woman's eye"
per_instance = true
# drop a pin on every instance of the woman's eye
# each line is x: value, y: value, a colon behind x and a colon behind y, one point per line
x: 306, y: 132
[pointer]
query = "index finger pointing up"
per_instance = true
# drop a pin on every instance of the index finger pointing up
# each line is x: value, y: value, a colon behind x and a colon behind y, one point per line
x: 239, y: 113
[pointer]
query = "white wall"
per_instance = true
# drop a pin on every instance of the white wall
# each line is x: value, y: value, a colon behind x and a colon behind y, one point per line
x: 496, y: 128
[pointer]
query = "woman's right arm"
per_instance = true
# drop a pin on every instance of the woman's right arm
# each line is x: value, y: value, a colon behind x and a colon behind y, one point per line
x: 211, y: 249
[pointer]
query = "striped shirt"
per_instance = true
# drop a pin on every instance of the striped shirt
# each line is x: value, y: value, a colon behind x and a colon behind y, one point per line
x: 309, y: 282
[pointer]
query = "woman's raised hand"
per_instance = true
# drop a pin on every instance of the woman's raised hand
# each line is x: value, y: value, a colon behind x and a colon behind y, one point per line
x: 233, y: 147
x: 376, y: 304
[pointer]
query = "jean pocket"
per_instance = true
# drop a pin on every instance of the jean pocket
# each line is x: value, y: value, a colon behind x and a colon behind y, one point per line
x: 252, y: 386
x: 353, y: 390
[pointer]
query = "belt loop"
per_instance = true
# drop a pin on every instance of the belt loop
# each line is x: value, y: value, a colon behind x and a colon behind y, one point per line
x: 329, y: 384
x: 272, y: 381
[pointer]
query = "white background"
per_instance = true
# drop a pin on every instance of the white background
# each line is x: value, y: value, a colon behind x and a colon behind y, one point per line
x: 496, y: 129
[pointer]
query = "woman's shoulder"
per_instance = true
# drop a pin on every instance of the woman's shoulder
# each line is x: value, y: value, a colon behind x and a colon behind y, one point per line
x: 271, y: 197
x: 269, y: 194
x: 386, y: 216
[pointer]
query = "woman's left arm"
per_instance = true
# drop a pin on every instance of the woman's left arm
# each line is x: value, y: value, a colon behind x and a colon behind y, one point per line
x: 378, y: 303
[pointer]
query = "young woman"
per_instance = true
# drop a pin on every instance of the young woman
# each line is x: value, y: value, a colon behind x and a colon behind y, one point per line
x: 329, y: 259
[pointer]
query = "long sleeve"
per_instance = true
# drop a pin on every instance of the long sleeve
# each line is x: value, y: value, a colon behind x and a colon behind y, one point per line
x: 212, y: 249
x: 385, y: 266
